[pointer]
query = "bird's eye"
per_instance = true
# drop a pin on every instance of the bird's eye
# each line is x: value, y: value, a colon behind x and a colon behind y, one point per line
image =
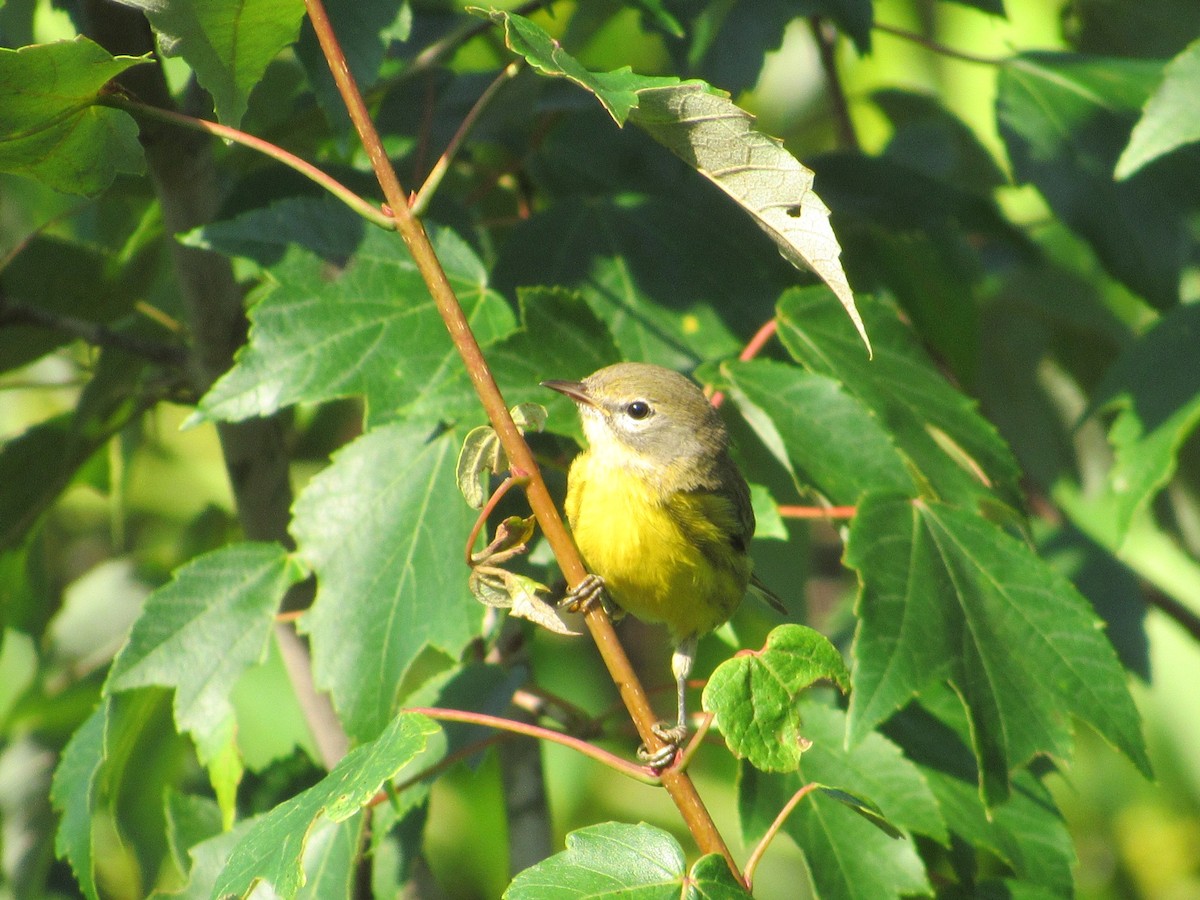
x: 638, y: 409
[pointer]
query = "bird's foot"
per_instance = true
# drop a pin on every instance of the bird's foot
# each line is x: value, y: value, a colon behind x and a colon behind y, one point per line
x: 588, y: 592
x: 672, y: 737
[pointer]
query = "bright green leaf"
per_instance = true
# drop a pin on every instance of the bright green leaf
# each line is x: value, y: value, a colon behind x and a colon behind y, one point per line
x: 1027, y: 831
x: 368, y: 327
x: 1171, y: 117
x: 617, y: 91
x: 383, y: 529
x: 227, y: 42
x: 754, y: 695
x: 73, y: 795
x: 1155, y: 388
x: 947, y: 596
x: 612, y: 859
x: 198, y: 633
x: 826, y: 438
x: 937, y: 428
x: 50, y: 127
x: 847, y: 854
x: 272, y: 850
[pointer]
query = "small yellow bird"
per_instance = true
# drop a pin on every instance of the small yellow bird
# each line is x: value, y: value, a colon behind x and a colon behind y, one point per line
x: 659, y: 511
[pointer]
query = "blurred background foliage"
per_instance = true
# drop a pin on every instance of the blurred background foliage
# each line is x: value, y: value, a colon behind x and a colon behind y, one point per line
x: 983, y: 194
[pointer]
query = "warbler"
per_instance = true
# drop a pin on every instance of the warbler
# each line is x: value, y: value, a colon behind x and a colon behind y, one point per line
x: 660, y: 513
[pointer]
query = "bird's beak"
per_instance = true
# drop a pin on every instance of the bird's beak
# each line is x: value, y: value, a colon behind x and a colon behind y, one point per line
x: 573, y: 389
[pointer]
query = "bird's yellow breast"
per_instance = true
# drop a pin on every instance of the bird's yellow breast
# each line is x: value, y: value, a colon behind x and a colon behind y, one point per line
x: 665, y: 557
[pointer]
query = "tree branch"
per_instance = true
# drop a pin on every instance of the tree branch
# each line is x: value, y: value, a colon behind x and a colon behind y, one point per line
x: 94, y: 333
x: 826, y: 37
x: 936, y: 47
x: 677, y: 782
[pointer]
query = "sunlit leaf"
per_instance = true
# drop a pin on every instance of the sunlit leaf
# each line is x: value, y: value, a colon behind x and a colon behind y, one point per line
x: 1171, y: 117
x: 383, y: 529
x: 1154, y: 386
x: 271, y: 851
x: 754, y: 695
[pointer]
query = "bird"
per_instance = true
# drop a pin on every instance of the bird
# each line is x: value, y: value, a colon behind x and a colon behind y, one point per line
x: 659, y: 511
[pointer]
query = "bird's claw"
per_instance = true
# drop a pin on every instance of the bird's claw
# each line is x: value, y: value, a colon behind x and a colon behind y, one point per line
x: 581, y: 597
x: 672, y: 737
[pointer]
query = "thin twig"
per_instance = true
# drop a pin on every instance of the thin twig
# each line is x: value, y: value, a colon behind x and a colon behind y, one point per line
x: 497, y: 495
x: 753, y: 346
x: 936, y: 47
x: 761, y: 847
x: 678, y: 785
x: 826, y: 37
x: 624, y: 766
x: 439, y: 49
x: 420, y: 203
x: 818, y: 512
x: 1184, y: 617
x: 93, y: 333
x: 363, y: 207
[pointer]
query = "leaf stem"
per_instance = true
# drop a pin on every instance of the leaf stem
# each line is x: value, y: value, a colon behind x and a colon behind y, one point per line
x: 677, y: 784
x: 936, y: 47
x: 624, y: 766
x: 755, y: 344
x: 420, y: 203
x: 761, y: 848
x: 818, y: 512
x: 363, y: 207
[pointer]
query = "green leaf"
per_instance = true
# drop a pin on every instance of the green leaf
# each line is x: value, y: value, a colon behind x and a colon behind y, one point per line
x: 1027, y: 831
x: 560, y: 337
x: 847, y: 853
x: 365, y: 29
x: 826, y: 438
x: 929, y: 138
x: 227, y: 42
x: 50, y: 128
x: 617, y: 91
x: 271, y: 851
x: 754, y: 695
x: 190, y: 820
x: 383, y: 529
x: 73, y: 794
x: 611, y: 859
x: 1171, y: 117
x: 948, y: 596
x: 714, y: 136
x: 937, y: 429
x: 1065, y: 120
x: 656, y: 270
x: 201, y: 631
x: 371, y: 328
x: 1155, y: 388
